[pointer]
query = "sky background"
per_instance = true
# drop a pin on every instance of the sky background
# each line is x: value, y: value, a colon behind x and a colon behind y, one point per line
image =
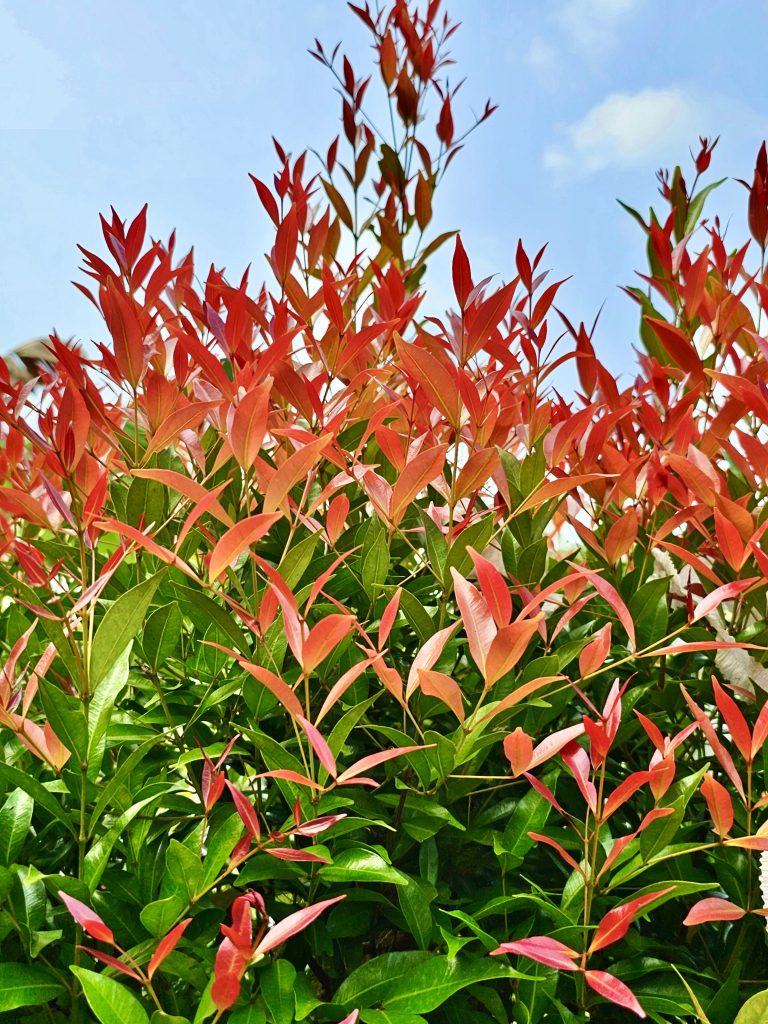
x: 119, y: 104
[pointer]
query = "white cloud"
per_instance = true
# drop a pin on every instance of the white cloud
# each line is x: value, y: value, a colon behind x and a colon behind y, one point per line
x: 544, y: 60
x: 32, y: 79
x: 592, y: 26
x: 624, y: 130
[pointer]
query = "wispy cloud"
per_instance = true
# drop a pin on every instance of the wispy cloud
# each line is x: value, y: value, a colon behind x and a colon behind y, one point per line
x: 32, y: 79
x: 592, y: 26
x: 544, y: 61
x: 623, y: 130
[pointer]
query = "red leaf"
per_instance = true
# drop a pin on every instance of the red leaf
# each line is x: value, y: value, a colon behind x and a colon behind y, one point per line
x: 428, y: 655
x: 722, y: 755
x: 518, y: 749
x: 462, y: 274
x: 615, y: 924
x: 228, y: 968
x: 292, y: 925
x: 576, y: 758
x: 734, y: 719
x: 375, y: 759
x: 319, y: 745
x: 476, y: 616
x: 436, y: 380
x: 724, y: 593
x: 274, y: 684
x: 323, y: 638
x: 613, y: 990
x: 418, y: 473
x: 713, y: 909
x: 248, y: 424
x: 719, y: 804
x: 246, y: 811
x: 679, y: 347
x: 188, y: 487
x: 296, y: 467
x: 340, y: 687
x: 445, y: 689
x: 611, y: 596
x: 237, y: 539
x: 508, y: 647
x: 543, y: 950
x: 88, y: 919
x: 111, y: 961
x: 493, y: 586
x: 167, y: 945
x: 596, y: 651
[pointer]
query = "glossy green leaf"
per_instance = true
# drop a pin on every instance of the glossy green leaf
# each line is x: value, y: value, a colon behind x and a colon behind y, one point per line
x: 119, y: 626
x: 276, y: 984
x: 15, y: 820
x: 110, y: 1001
x: 361, y: 865
x: 26, y: 985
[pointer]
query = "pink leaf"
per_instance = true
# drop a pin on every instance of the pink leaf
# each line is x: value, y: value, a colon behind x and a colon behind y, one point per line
x: 375, y: 759
x: 476, y: 616
x: 88, y: 919
x: 246, y: 811
x: 445, y: 689
x: 611, y: 596
x: 111, y: 961
x: 713, y: 909
x: 292, y: 925
x: 319, y: 745
x: 543, y: 950
x: 724, y: 593
x: 613, y: 990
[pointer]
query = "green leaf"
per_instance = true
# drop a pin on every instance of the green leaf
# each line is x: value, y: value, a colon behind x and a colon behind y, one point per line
x: 201, y: 609
x: 648, y: 608
x: 183, y: 871
x: 366, y: 985
x: 15, y: 821
x: 429, y: 984
x: 276, y: 985
x: 109, y: 791
x: 374, y: 559
x: 162, y: 633
x: 418, y: 617
x: 26, y: 985
x: 160, y: 916
x: 66, y: 717
x: 388, y: 1017
x: 361, y: 865
x: 755, y: 1010
x: 145, y: 503
x: 434, y: 541
x: 415, y: 898
x: 253, y: 1014
x: 530, y: 815
x: 295, y: 561
x: 477, y: 536
x: 119, y: 626
x: 158, y: 1017
x: 27, y: 900
x: 661, y: 832
x: 97, y: 858
x: 219, y: 846
x: 110, y: 1001
x: 697, y: 205
x: 101, y: 707
x: 42, y: 797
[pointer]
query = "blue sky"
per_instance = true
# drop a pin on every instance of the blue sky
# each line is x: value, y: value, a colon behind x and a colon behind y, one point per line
x: 106, y: 103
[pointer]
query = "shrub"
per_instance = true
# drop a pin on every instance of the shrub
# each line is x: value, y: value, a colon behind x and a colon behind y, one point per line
x: 351, y: 669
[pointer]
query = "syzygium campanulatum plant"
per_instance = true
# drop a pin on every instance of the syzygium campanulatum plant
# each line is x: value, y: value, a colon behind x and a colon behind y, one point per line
x: 351, y: 671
